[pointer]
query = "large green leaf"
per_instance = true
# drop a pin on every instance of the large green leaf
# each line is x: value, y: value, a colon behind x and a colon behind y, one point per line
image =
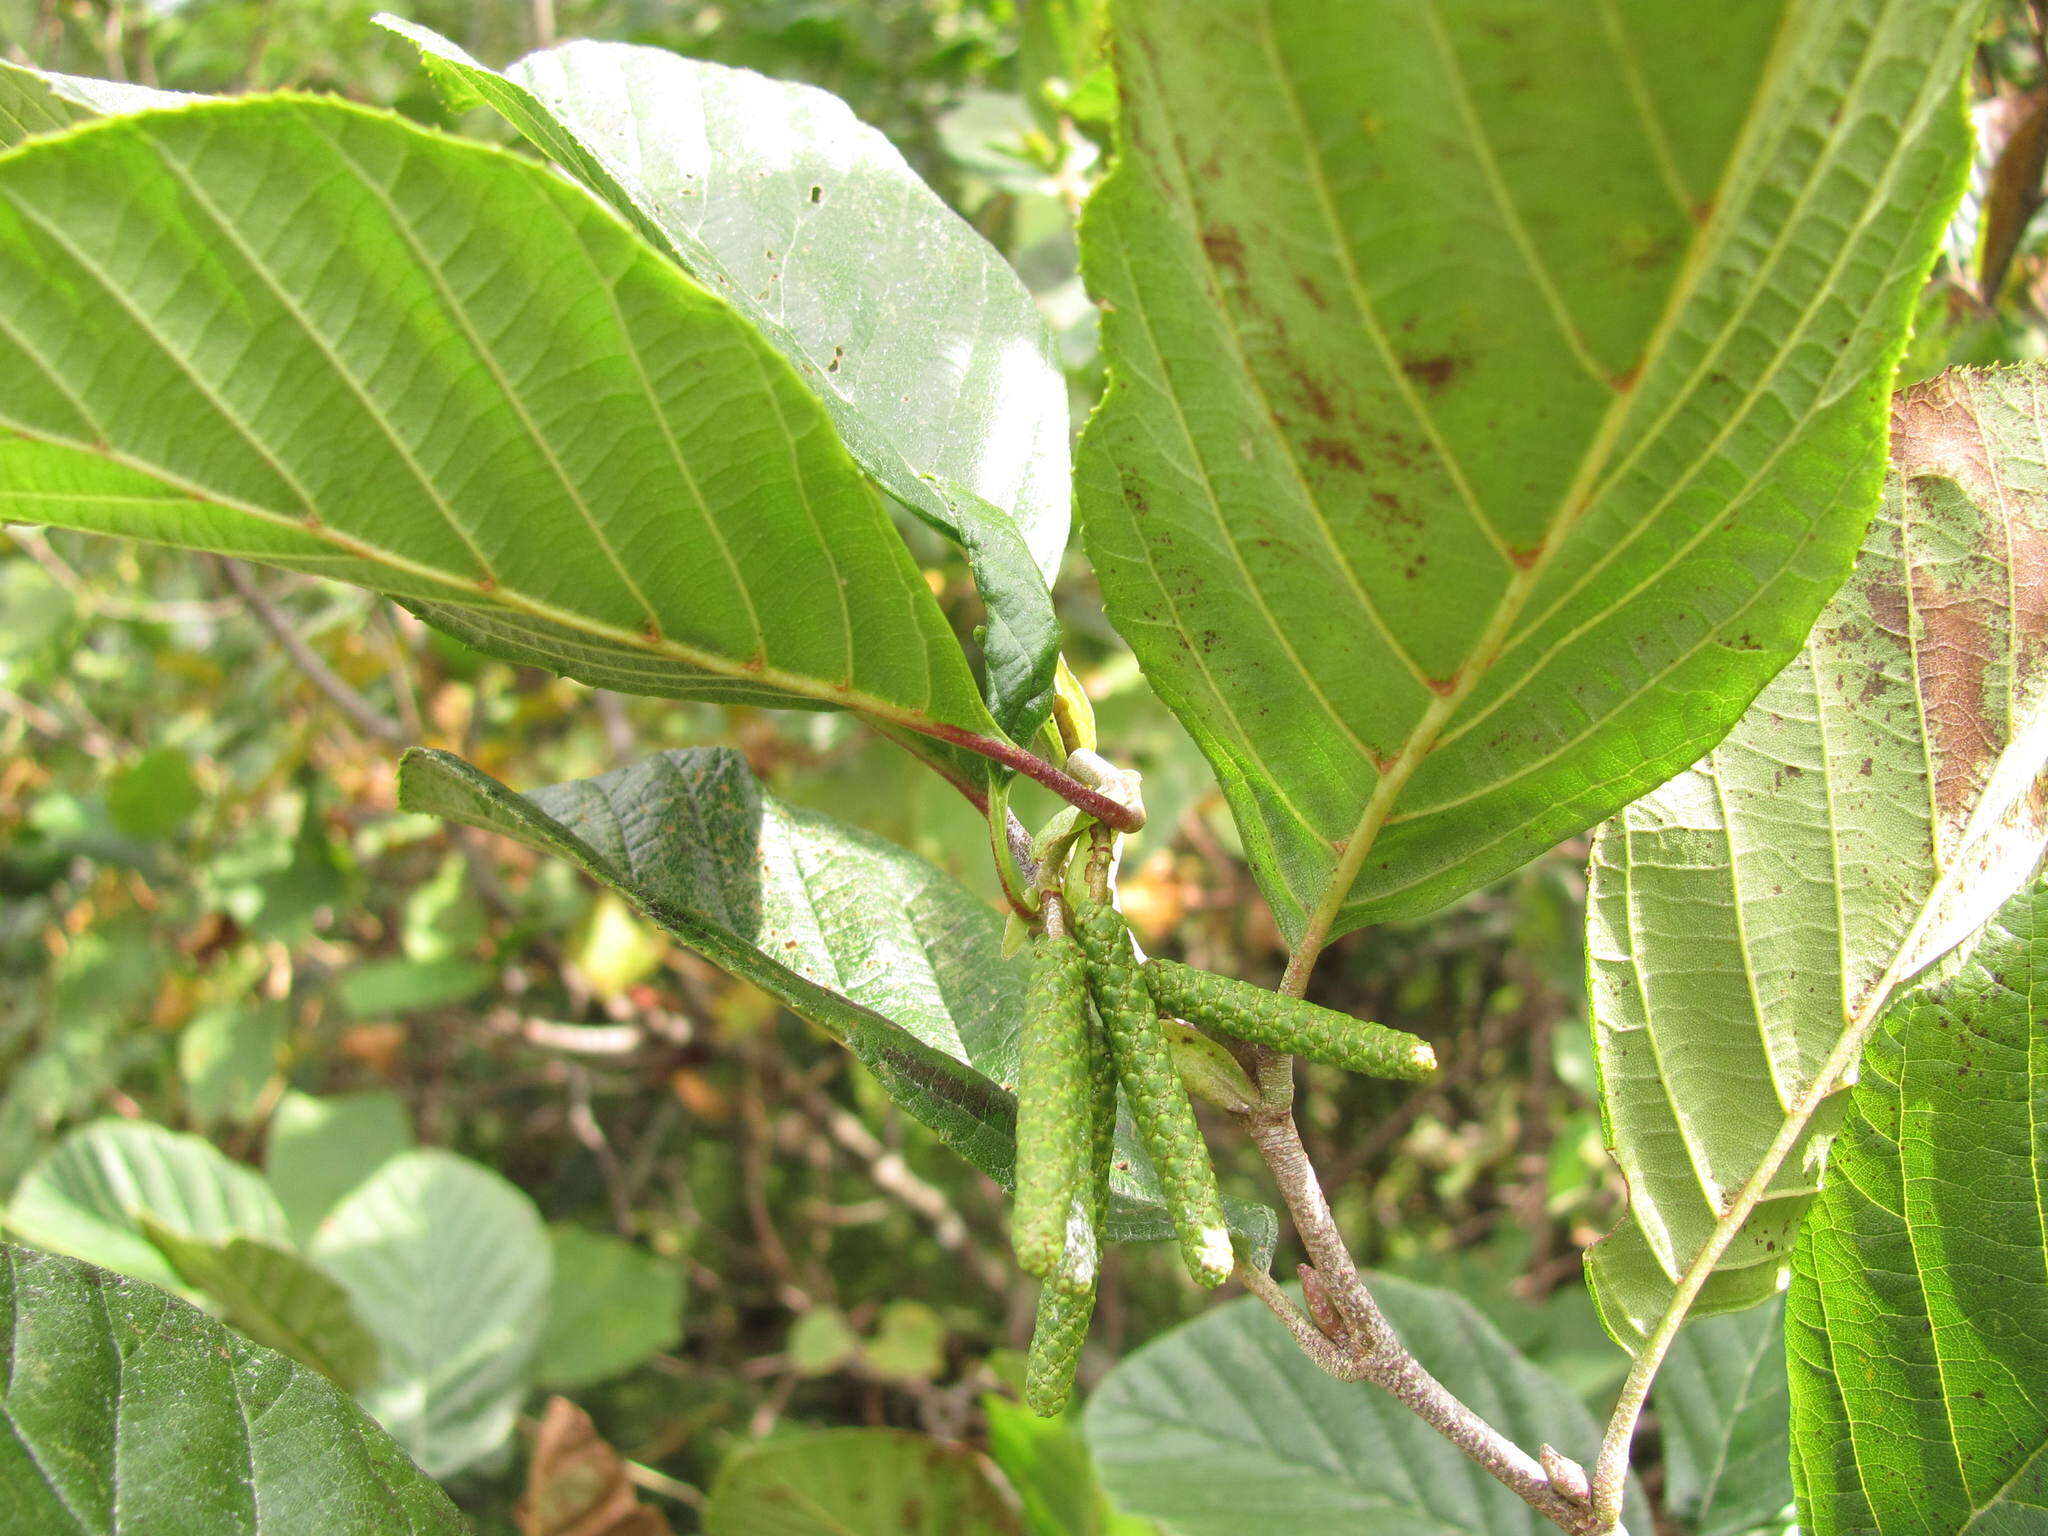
x: 318, y: 1148
x: 125, y: 1412
x: 1877, y: 803
x: 1917, y: 1327
x: 610, y: 1306
x: 34, y: 101
x: 309, y: 334
x: 447, y: 1265
x: 810, y: 223
x: 1223, y: 1427
x: 1497, y: 393
x: 1721, y: 1408
x: 88, y: 1197
x: 857, y: 1482
x: 884, y: 951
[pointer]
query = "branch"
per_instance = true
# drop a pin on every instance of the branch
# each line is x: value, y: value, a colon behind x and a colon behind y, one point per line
x: 369, y: 719
x: 1352, y: 1340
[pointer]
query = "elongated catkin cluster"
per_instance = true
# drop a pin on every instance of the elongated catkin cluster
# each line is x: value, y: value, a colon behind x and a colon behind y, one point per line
x: 1245, y: 1012
x: 1071, y: 1062
x: 1159, y: 1105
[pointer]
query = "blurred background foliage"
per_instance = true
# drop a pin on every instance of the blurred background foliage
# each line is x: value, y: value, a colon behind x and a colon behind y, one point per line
x: 212, y: 919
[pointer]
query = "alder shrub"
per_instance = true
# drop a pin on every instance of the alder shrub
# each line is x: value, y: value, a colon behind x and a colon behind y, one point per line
x: 1499, y: 442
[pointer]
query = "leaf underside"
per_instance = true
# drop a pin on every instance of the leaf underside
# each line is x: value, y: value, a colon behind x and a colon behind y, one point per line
x: 1496, y: 395
x: 304, y: 333
x: 773, y: 195
x: 885, y: 952
x: 1879, y: 801
x: 1917, y: 1325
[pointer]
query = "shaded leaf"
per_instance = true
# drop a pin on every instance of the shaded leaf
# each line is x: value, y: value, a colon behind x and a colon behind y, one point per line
x: 227, y: 1056
x: 583, y: 461
x: 612, y: 1304
x: 1746, y: 921
x: 277, y: 1298
x: 857, y: 1482
x: 1721, y: 1404
x: 142, y: 1416
x: 944, y: 386
x: 88, y: 1195
x: 2012, y: 193
x: 1917, y: 1326
x: 319, y: 1148
x: 1203, y: 1428
x: 882, y: 950
x: 1047, y: 1463
x: 576, y: 1484
x: 1495, y: 398
x: 447, y: 1265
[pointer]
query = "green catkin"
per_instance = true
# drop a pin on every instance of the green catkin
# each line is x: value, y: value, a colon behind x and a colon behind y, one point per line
x: 1159, y: 1104
x: 1067, y: 1302
x: 1054, y: 1113
x: 1055, y: 1352
x: 1247, y: 1012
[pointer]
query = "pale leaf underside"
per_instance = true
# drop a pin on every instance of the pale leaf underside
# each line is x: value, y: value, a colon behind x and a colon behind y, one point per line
x: 299, y: 332
x: 1877, y: 803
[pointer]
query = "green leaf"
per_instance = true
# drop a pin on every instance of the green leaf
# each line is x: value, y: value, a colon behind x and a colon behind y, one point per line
x: 276, y: 1298
x: 1721, y: 1405
x: 153, y: 796
x: 129, y: 1413
x: 821, y: 1342
x: 1222, y: 1426
x: 946, y: 389
x: 308, y: 334
x: 227, y: 1055
x: 447, y: 1265
x: 35, y: 101
x: 909, y: 1342
x: 1495, y: 397
x: 380, y: 989
x: 88, y: 1195
x: 857, y: 1482
x: 875, y: 946
x: 611, y: 1306
x: 1917, y: 1326
x: 1047, y: 1463
x: 321, y: 1148
x: 1748, y: 921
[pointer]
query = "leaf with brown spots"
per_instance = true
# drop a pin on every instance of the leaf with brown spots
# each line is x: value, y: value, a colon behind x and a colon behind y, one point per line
x: 1593, y: 306
x: 1749, y: 920
x: 576, y: 1485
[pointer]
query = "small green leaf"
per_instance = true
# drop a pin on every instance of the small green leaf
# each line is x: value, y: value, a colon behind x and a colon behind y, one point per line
x: 141, y: 1416
x: 1203, y: 1429
x: 821, y: 1342
x: 153, y: 796
x: 447, y: 1265
x: 880, y: 949
x: 857, y: 1482
x: 383, y: 989
x: 1917, y: 1325
x: 227, y: 1055
x: 277, y: 1298
x: 88, y: 1196
x: 612, y: 1305
x: 909, y: 1342
x: 321, y: 1148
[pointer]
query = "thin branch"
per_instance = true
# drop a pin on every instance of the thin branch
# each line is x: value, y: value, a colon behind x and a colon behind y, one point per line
x: 1367, y: 1348
x: 369, y: 719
